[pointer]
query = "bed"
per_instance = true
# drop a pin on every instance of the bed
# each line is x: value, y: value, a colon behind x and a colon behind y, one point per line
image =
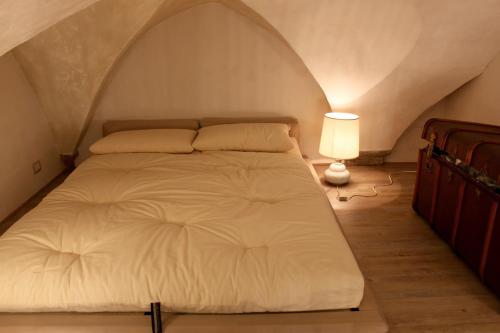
x: 206, y: 233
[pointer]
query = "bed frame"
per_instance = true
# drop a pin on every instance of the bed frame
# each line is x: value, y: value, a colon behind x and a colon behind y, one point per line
x: 366, y: 318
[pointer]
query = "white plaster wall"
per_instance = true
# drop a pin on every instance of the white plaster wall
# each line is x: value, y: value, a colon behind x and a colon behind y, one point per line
x: 387, y: 60
x: 211, y: 61
x: 67, y: 63
x: 20, y: 20
x: 25, y: 136
x: 346, y: 44
x: 476, y: 101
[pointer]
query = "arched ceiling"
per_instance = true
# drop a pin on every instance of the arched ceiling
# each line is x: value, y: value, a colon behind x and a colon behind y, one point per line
x: 210, y: 61
x: 345, y: 43
x: 387, y: 60
x: 20, y: 20
x: 68, y: 62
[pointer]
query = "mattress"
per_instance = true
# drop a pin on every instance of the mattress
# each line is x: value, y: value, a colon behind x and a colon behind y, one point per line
x: 214, y: 232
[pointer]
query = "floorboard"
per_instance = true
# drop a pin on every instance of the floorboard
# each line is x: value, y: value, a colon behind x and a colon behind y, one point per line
x: 418, y: 281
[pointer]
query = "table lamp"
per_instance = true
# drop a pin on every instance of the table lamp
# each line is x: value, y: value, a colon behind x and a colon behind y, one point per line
x: 339, y: 140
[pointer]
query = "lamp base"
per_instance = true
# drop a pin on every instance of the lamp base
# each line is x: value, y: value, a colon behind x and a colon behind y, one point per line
x: 337, y: 174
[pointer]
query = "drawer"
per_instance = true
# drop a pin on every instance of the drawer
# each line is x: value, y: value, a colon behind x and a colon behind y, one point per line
x: 492, y: 266
x: 473, y: 224
x: 425, y: 186
x: 446, y: 203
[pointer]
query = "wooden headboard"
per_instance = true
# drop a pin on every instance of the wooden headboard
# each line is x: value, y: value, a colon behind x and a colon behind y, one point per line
x: 112, y: 126
x: 290, y: 121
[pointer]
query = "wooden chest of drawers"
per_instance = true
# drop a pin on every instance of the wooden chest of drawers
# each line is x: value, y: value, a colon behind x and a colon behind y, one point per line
x: 457, y: 191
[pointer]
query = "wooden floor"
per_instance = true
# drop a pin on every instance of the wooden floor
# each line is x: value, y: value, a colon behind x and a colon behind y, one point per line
x: 419, y: 283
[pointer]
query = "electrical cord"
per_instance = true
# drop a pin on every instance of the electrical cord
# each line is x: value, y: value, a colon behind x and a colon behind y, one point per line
x: 373, y: 188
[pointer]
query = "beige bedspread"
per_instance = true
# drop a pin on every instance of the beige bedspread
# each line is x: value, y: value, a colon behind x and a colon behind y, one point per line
x: 224, y: 232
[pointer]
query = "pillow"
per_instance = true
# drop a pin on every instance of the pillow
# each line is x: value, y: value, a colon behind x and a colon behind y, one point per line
x: 265, y: 137
x: 146, y: 141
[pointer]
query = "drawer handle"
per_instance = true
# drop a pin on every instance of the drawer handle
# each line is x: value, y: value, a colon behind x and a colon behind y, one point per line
x: 484, y: 169
x: 430, y: 147
x: 451, y: 175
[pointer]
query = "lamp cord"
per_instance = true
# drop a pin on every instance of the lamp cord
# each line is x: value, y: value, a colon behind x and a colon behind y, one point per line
x: 373, y: 188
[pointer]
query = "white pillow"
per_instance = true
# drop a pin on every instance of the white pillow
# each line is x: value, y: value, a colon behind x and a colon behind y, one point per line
x: 146, y: 141
x: 265, y: 137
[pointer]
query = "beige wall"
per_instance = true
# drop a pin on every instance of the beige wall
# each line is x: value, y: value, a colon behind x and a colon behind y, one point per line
x: 211, y: 61
x: 25, y: 137
x: 20, y: 20
x: 67, y: 63
x: 477, y: 101
x: 387, y: 60
x: 342, y: 41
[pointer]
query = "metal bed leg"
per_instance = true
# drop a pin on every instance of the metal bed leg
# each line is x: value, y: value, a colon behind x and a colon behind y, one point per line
x: 155, y: 314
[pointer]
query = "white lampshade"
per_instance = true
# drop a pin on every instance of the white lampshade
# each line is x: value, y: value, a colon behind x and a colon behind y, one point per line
x: 340, y: 136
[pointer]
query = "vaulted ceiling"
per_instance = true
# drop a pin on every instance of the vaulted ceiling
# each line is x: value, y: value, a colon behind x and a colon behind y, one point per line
x: 22, y: 20
x: 387, y: 60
